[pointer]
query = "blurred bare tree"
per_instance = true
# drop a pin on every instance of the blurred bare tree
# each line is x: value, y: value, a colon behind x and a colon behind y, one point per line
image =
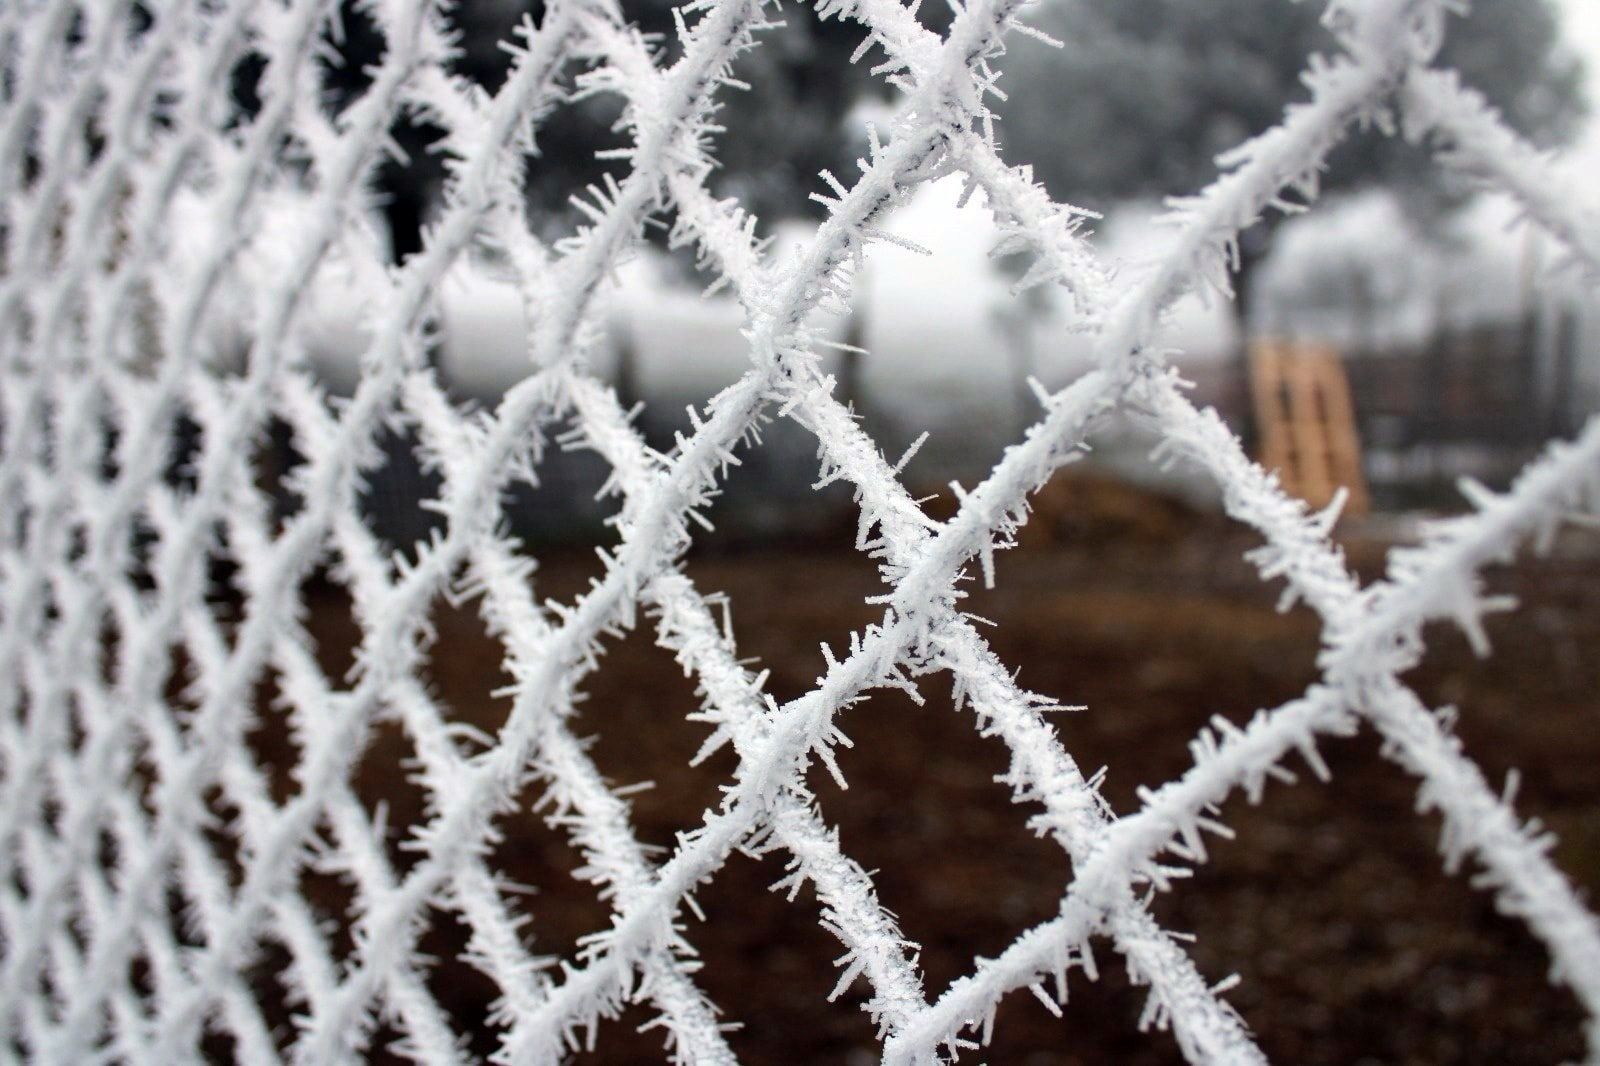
x: 1145, y: 93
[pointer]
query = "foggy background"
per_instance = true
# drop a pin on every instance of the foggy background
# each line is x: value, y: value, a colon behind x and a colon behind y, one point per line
x: 1464, y: 342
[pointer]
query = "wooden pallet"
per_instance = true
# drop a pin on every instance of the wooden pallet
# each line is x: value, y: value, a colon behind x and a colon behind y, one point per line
x: 1306, y: 425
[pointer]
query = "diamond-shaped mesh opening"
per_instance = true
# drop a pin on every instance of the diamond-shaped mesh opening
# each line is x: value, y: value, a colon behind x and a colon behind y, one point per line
x: 1539, y: 663
x: 953, y: 855
x: 276, y: 463
x: 1348, y: 943
x: 465, y: 994
x: 782, y: 615
x: 1088, y: 510
x: 220, y: 834
x: 388, y: 781
x: 1555, y: 604
x: 385, y: 1040
x: 769, y: 499
x: 1101, y: 1018
x: 464, y: 668
x: 918, y: 374
x: 185, y: 436
x: 395, y: 489
x: 635, y: 1035
x: 408, y: 176
x: 332, y: 625
x: 268, y: 978
x: 634, y: 718
x: 752, y: 928
x: 589, y: 121
x: 540, y: 860
x: 565, y: 510
x: 1153, y: 641
x: 326, y: 885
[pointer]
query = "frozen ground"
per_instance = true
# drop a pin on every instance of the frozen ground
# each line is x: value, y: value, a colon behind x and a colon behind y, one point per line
x: 1353, y: 944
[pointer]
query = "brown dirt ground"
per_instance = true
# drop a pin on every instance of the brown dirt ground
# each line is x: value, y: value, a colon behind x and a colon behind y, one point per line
x: 1353, y: 943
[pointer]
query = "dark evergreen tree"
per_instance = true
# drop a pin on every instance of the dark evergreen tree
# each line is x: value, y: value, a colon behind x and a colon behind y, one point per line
x: 781, y: 132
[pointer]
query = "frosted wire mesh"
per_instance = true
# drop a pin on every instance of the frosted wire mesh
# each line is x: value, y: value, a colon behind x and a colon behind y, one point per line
x: 143, y: 221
